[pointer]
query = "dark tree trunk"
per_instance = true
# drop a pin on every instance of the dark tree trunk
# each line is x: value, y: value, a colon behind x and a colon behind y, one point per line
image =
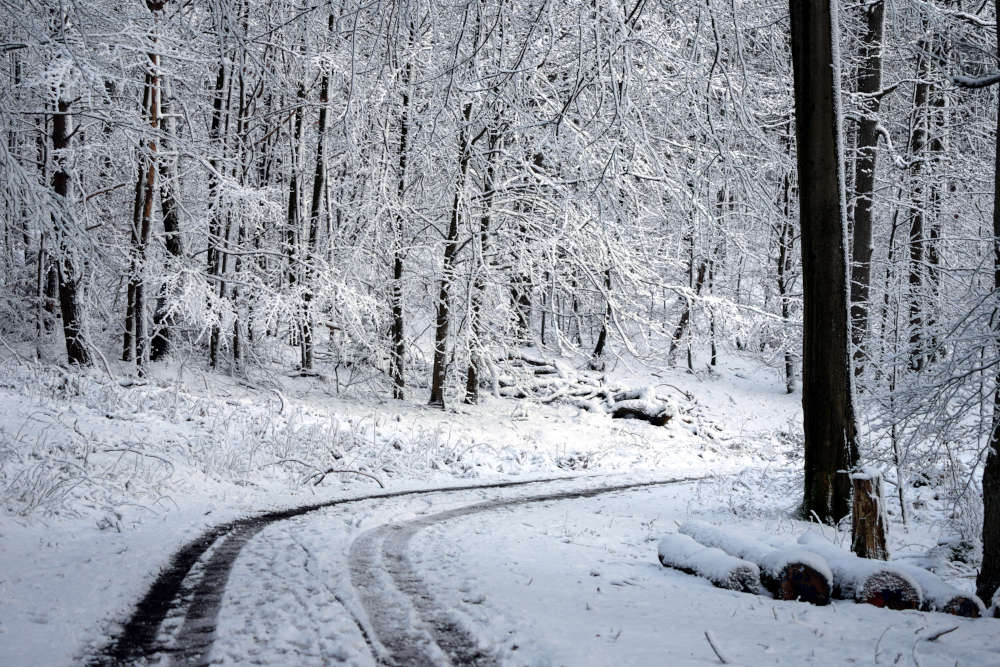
x: 319, y: 176
x: 439, y: 372
x: 520, y: 296
x: 869, y: 85
x: 827, y: 401
x: 142, y: 221
x: 602, y: 337
x: 129, y: 339
x: 293, y: 225
x: 695, y: 284
x: 215, y: 224
x: 76, y: 349
x: 786, y: 239
x: 479, y: 282
x: 163, y: 318
x: 988, y: 580
x: 919, y: 133
x: 398, y: 329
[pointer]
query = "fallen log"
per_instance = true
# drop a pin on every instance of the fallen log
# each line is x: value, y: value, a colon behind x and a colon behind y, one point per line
x: 653, y: 412
x: 642, y: 404
x: 789, y: 574
x: 941, y: 596
x: 681, y: 552
x: 864, y: 580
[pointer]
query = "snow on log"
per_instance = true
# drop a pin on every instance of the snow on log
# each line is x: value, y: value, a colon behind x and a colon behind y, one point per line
x: 789, y: 574
x: 941, y: 596
x: 550, y: 381
x: 864, y: 580
x: 643, y: 404
x: 655, y: 413
x: 681, y: 552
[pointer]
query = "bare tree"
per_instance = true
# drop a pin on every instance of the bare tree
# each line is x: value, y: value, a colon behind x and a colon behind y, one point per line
x: 827, y: 390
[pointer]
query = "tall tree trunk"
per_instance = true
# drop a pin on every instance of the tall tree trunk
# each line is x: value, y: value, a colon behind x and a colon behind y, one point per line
x: 602, y: 337
x: 163, y: 318
x: 319, y: 178
x: 215, y: 225
x: 919, y: 133
x: 479, y: 281
x: 827, y: 401
x: 869, y: 85
x: 293, y: 224
x: 439, y: 372
x: 142, y: 219
x: 69, y: 301
x: 988, y: 580
x: 786, y: 240
x: 695, y: 283
x: 398, y: 330
x: 128, y: 340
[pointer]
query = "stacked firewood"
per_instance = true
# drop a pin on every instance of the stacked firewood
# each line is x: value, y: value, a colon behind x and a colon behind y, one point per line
x: 815, y: 570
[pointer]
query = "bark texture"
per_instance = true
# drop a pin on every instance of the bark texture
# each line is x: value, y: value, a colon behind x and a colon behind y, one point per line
x: 827, y: 402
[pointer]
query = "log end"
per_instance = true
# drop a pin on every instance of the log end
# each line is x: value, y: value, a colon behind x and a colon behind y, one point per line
x: 798, y: 581
x: 745, y: 579
x: 889, y: 590
x: 968, y: 606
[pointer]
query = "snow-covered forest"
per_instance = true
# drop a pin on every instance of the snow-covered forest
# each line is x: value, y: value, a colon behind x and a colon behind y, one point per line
x: 264, y: 255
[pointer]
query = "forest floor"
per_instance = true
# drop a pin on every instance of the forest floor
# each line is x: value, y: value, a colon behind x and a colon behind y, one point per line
x: 103, y: 477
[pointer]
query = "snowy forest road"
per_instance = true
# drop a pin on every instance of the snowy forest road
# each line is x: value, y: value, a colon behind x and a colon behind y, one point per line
x: 390, y: 616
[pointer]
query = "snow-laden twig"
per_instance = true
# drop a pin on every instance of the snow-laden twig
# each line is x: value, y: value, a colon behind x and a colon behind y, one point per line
x: 940, y: 633
x: 976, y: 81
x: 322, y: 475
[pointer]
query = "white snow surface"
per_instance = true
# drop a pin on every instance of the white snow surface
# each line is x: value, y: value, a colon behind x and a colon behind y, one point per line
x: 103, y: 478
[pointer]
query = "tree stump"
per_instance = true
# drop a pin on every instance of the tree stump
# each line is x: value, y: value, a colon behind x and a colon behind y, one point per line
x: 868, y: 516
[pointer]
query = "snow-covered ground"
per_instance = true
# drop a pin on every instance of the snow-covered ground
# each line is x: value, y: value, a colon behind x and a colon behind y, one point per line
x: 103, y: 477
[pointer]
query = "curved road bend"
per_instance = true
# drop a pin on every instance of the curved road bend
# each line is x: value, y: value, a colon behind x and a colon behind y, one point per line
x: 177, y: 617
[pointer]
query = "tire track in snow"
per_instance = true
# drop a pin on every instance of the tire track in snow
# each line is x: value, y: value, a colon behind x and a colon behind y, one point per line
x: 410, y: 626
x: 176, y: 618
x: 192, y: 584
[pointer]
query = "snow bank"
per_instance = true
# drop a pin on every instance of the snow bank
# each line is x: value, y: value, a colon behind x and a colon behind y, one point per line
x: 683, y: 553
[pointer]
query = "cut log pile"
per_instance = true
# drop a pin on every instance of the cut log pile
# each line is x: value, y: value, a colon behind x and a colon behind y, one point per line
x: 814, y: 570
x: 789, y: 574
x: 866, y: 580
x: 530, y: 377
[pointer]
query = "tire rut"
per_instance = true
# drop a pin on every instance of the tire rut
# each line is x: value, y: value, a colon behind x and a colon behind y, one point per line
x: 436, y: 637
x: 177, y: 592
x: 177, y: 617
